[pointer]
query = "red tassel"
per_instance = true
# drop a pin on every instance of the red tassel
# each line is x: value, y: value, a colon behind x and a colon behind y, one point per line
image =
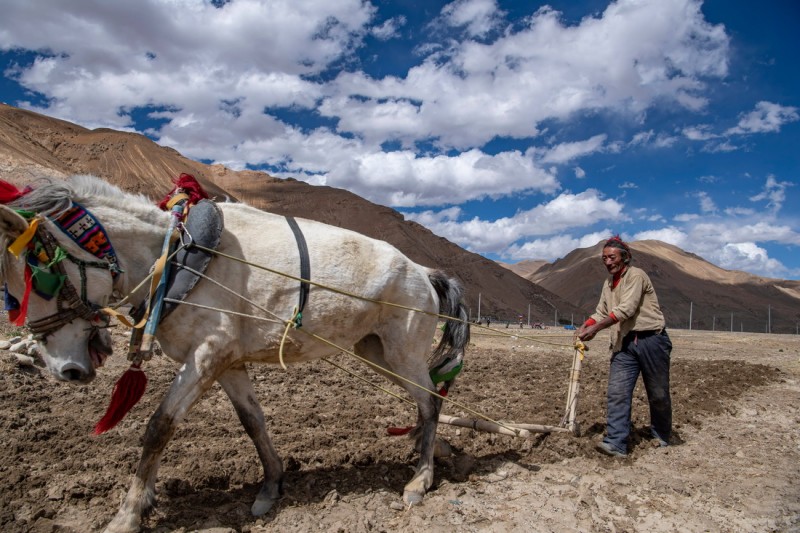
x: 18, y: 319
x: 395, y: 432
x: 188, y: 184
x: 127, y: 391
x: 9, y: 192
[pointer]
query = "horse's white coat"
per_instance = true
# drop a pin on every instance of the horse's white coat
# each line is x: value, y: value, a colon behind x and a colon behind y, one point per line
x: 213, y: 346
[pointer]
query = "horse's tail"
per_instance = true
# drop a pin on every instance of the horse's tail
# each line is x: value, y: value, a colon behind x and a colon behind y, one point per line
x: 447, y: 358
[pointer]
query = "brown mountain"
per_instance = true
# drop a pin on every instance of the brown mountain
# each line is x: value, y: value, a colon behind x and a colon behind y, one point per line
x: 525, y: 268
x: 33, y: 145
x: 685, y: 283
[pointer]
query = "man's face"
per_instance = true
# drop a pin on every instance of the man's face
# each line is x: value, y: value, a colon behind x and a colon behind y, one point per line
x: 612, y: 259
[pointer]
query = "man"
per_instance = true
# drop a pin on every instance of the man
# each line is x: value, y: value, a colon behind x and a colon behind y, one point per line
x: 639, y: 345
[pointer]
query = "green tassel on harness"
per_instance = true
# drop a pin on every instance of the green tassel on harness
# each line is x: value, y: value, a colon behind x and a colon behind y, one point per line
x: 441, y: 373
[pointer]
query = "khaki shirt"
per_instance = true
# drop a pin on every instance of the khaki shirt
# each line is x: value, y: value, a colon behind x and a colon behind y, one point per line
x: 633, y: 302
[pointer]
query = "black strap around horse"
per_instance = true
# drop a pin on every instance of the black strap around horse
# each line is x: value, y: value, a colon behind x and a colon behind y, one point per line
x: 305, y: 266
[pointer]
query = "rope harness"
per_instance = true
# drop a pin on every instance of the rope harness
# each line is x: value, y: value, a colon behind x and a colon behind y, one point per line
x: 71, y: 305
x: 40, y: 247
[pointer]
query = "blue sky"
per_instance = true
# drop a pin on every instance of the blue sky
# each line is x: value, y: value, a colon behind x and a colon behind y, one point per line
x: 518, y: 130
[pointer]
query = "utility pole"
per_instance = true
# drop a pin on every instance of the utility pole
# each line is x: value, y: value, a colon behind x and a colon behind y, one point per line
x: 714, y: 323
x: 529, y: 315
x: 769, y: 319
x: 731, y: 322
x: 479, y: 307
x: 691, y: 304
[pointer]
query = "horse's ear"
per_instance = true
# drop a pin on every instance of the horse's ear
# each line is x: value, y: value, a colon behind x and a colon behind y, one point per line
x: 11, y: 222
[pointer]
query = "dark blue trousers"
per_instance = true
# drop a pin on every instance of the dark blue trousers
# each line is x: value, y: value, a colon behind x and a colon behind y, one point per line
x: 648, y: 355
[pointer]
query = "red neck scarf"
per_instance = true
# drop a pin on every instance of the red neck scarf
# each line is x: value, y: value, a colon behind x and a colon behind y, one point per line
x: 618, y: 276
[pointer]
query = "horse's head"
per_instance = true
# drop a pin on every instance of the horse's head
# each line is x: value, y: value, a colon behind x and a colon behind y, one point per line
x: 62, y: 296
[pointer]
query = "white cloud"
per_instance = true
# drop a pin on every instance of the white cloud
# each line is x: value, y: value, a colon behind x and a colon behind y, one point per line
x: 774, y: 192
x: 476, y: 91
x: 405, y: 179
x: 730, y: 242
x: 707, y: 204
x: 739, y: 211
x: 669, y: 235
x: 717, y: 147
x: 724, y: 231
x: 565, y: 152
x: 562, y: 213
x: 431, y: 218
x: 767, y: 117
x: 221, y: 79
x: 701, y: 132
x: 218, y: 77
x: 389, y: 29
x: 552, y: 248
x: 749, y: 257
x: 479, y: 17
x: 651, y: 138
x: 108, y: 61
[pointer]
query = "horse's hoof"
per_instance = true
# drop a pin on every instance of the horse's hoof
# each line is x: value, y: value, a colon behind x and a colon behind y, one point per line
x: 411, y: 497
x: 122, y: 525
x: 266, y: 498
x: 262, y: 507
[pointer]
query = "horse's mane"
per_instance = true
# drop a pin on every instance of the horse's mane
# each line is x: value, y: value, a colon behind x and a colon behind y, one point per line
x: 51, y: 197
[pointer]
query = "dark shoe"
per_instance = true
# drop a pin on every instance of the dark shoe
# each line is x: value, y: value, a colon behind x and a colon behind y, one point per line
x: 606, y: 448
x: 656, y: 441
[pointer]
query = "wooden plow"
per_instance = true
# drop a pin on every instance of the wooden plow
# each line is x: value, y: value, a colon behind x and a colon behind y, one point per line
x: 569, y: 422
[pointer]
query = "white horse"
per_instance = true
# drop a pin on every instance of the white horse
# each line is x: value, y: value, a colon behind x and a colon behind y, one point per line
x: 215, y: 346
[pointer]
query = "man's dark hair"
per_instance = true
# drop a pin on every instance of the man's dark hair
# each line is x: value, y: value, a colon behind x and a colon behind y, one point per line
x: 618, y: 243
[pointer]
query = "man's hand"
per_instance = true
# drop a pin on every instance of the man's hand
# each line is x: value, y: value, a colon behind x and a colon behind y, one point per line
x: 587, y: 333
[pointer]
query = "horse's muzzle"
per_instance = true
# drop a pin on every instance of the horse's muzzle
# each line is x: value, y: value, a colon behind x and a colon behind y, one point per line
x: 75, y: 373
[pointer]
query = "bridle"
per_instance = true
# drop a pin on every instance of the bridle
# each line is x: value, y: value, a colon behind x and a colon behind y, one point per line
x: 70, y: 304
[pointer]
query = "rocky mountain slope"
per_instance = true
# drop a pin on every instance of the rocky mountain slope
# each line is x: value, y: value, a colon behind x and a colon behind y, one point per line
x: 33, y: 145
x: 685, y: 284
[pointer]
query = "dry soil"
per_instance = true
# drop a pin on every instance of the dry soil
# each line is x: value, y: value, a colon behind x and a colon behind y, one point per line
x: 733, y: 464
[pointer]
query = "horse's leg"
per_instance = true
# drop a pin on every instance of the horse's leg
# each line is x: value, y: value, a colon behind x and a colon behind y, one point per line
x: 239, y: 388
x: 187, y: 387
x: 428, y: 408
x: 411, y: 365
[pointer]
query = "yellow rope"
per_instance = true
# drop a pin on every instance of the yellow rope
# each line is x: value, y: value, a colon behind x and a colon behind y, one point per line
x: 368, y: 382
x: 406, y: 380
x: 323, y: 340
x: 290, y: 322
x: 364, y: 298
